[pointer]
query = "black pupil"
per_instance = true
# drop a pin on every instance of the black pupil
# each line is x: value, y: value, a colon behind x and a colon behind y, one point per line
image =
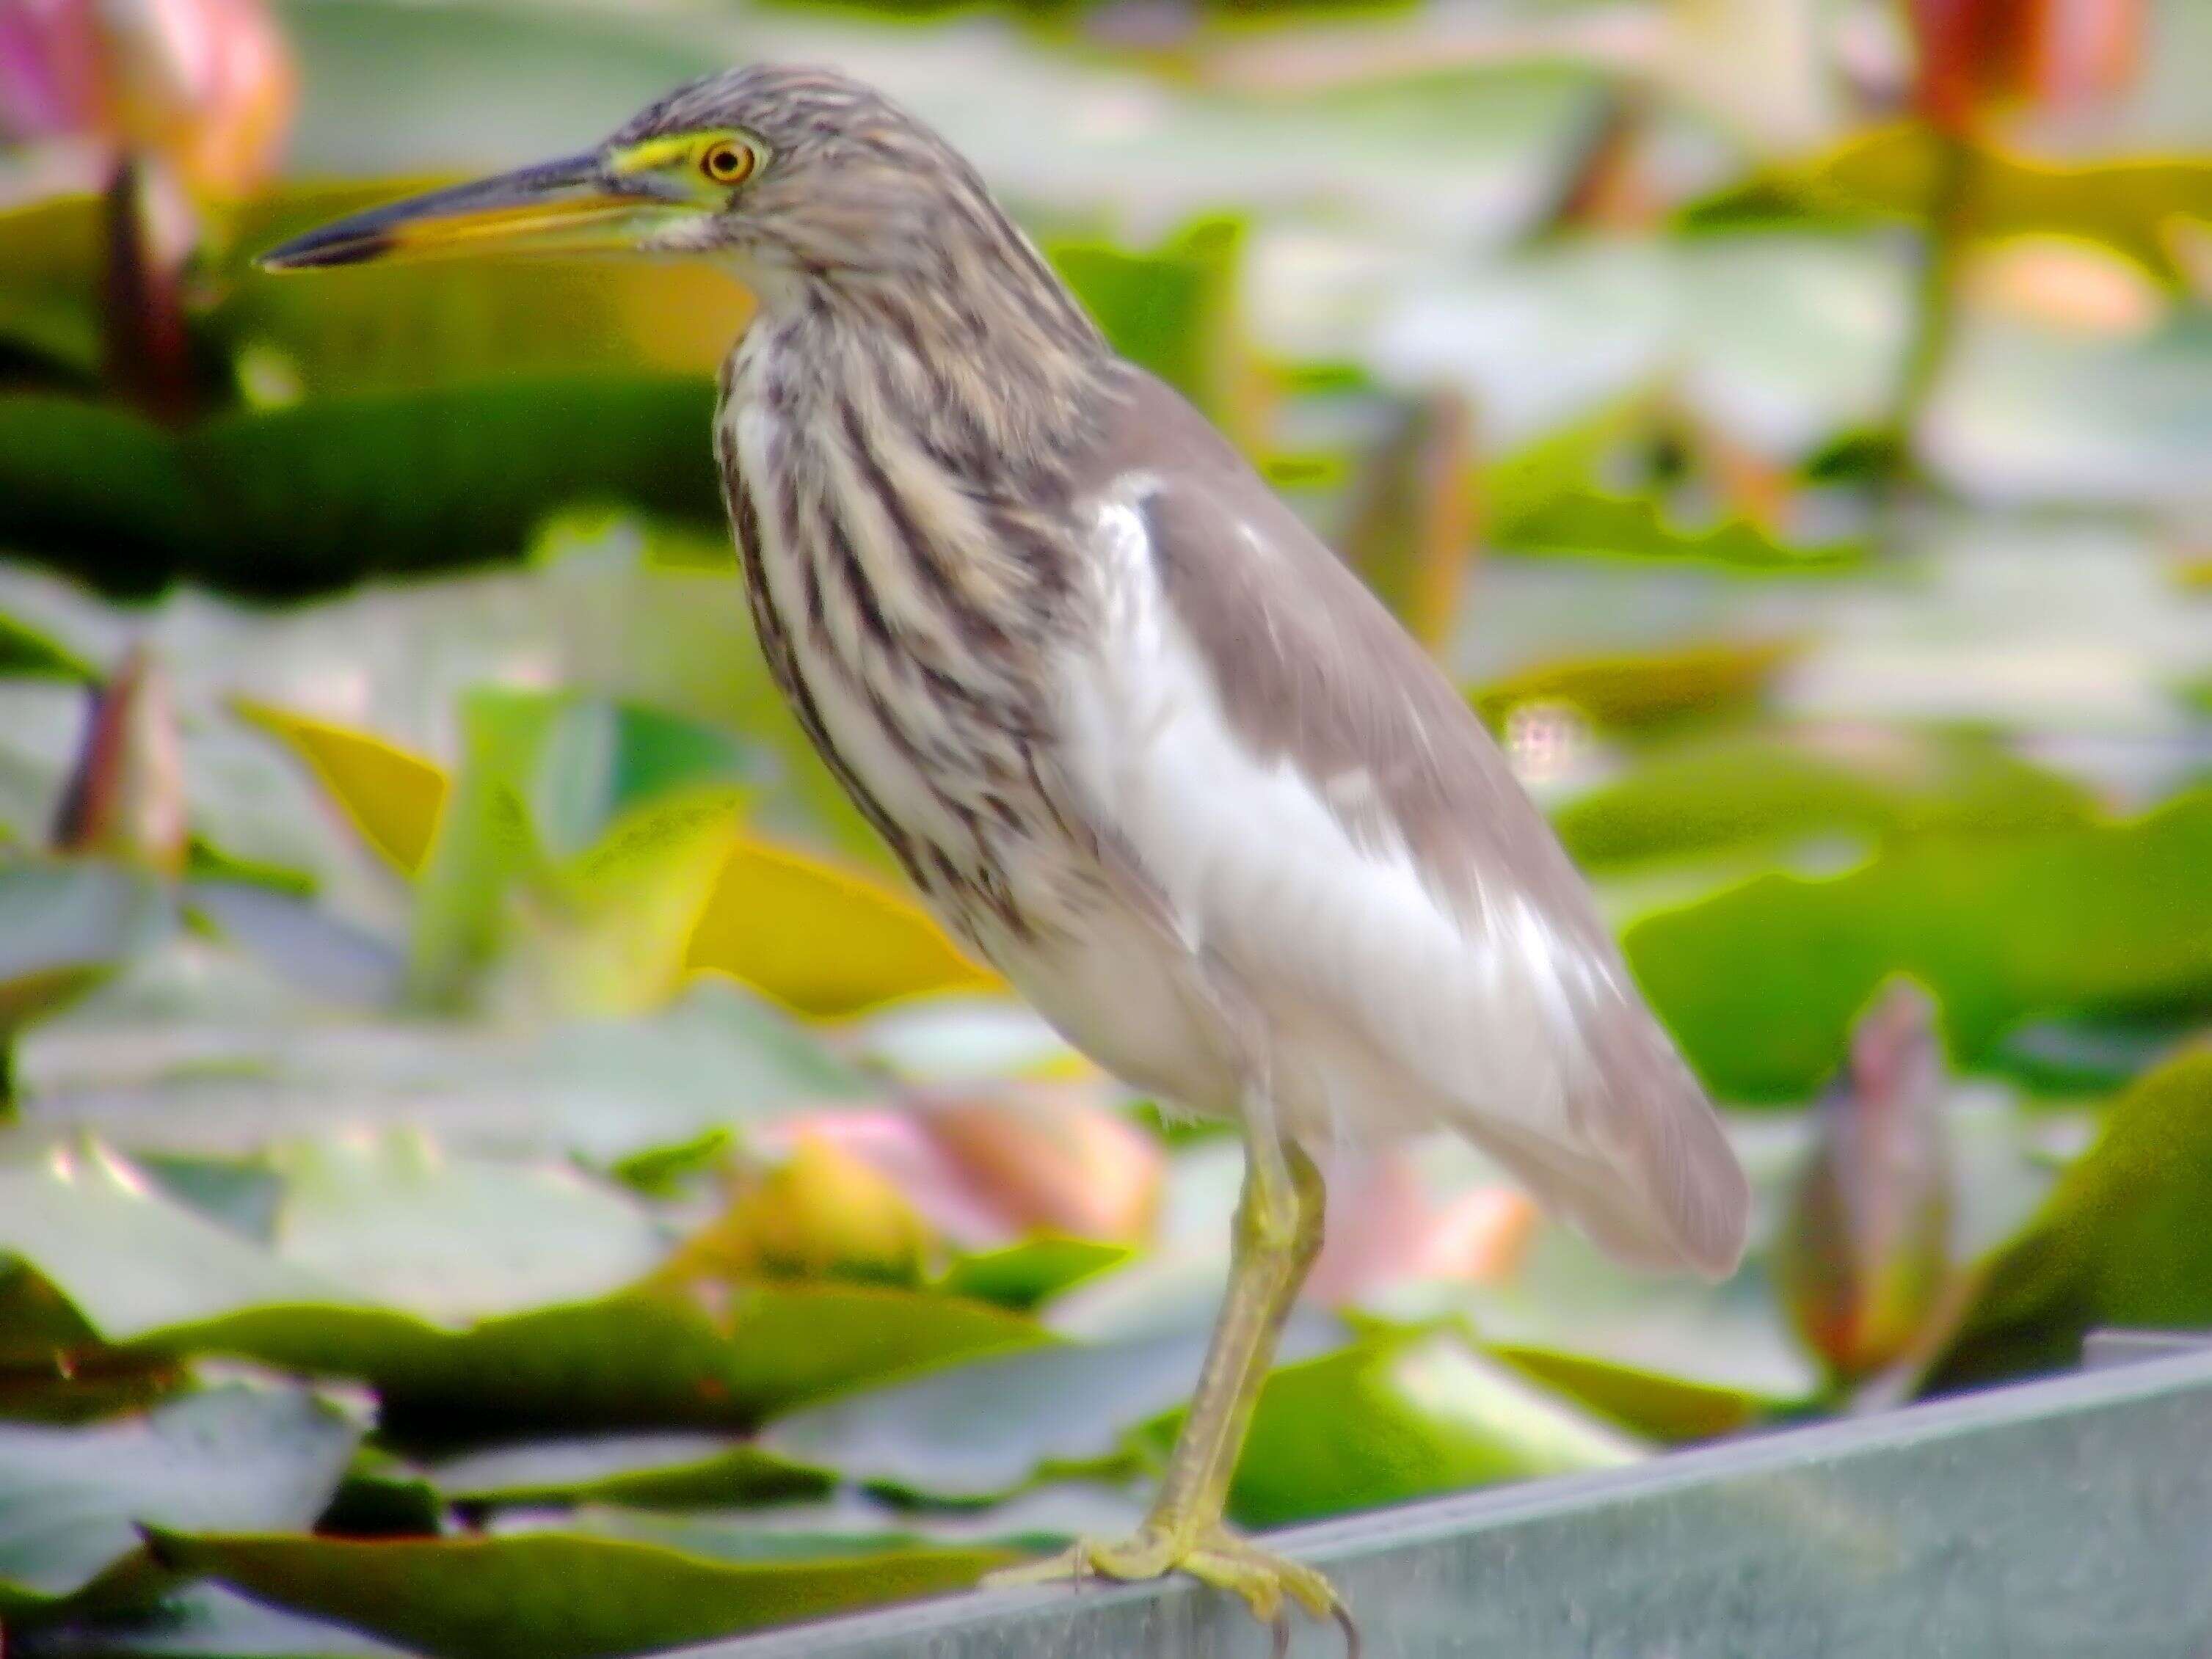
x: 722, y: 163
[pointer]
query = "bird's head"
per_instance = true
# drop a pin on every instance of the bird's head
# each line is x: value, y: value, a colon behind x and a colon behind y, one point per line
x: 788, y: 174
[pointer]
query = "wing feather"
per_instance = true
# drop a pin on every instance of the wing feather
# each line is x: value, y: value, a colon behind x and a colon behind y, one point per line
x: 1323, y: 811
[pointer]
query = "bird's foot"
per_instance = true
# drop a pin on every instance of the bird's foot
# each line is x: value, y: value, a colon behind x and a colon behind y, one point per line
x: 1212, y: 1554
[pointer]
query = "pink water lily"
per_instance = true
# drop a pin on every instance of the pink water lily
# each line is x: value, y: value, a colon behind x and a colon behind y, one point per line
x: 2051, y: 53
x: 205, y: 86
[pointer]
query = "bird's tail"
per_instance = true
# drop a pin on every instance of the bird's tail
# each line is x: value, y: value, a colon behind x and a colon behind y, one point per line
x: 1651, y: 1178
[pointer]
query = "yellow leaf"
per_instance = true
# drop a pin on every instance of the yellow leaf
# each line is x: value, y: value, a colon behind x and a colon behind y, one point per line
x: 2127, y: 204
x: 1639, y: 691
x: 393, y: 797
x: 820, y: 940
x: 609, y: 933
x: 823, y: 1215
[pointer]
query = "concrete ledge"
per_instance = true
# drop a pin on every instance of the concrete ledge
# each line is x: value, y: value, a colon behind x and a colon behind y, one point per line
x: 2065, y: 1519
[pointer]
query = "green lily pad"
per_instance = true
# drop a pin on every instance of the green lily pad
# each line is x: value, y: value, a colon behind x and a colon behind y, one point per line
x: 1671, y: 1410
x: 1034, y: 1270
x: 2127, y: 204
x: 2037, y: 415
x: 1728, y: 794
x: 65, y: 926
x: 396, y: 1224
x: 1585, y: 353
x: 1409, y: 1414
x: 71, y: 1500
x: 383, y: 1496
x: 312, y: 949
x: 315, y: 497
x: 145, y: 1270
x: 1171, y: 310
x: 54, y: 1366
x: 646, y: 1471
x: 617, y: 821
x: 718, y: 1060
x: 858, y: 1523
x: 551, y: 1595
x: 26, y: 653
x: 985, y: 1428
x: 627, y: 1361
x: 243, y: 1194
x: 453, y: 1239
x: 1759, y: 983
x: 206, y: 1621
x: 1648, y: 692
x: 2120, y: 1241
x: 1673, y: 1360
x: 131, y: 1259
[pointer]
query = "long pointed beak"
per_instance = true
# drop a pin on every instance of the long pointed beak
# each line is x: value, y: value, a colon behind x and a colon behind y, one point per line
x: 574, y: 204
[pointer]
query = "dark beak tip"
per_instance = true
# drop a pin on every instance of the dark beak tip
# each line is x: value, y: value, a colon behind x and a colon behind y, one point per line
x: 317, y: 252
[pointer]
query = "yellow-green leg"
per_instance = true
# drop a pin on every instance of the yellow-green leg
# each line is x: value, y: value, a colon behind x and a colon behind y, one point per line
x: 1278, y: 1232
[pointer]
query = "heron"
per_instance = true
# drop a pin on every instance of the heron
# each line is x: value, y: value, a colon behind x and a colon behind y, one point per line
x: 1137, y: 736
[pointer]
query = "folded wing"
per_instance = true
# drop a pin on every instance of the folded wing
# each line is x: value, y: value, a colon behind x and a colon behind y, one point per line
x: 1325, y: 815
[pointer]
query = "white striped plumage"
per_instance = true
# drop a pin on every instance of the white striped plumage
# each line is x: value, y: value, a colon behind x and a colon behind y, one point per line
x: 1382, y: 1013
x: 1136, y: 735
x: 1147, y: 748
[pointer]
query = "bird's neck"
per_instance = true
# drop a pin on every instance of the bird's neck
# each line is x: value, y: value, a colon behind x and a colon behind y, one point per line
x: 1001, y: 378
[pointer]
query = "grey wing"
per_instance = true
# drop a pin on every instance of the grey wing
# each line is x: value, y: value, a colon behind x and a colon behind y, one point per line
x: 1324, y: 813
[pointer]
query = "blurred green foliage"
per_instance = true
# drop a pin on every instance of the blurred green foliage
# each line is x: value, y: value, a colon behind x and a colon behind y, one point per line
x: 637, y: 1217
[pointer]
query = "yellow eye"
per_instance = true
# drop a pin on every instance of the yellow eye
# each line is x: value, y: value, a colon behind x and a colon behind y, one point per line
x: 726, y: 162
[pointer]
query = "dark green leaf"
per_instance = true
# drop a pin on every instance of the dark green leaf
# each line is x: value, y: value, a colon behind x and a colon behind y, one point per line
x: 663, y: 1171
x: 1671, y: 1410
x: 555, y: 1597
x: 1554, y: 496
x: 383, y: 1496
x: 629, y: 1361
x: 54, y: 1366
x: 318, y: 496
x: 144, y: 1269
x: 1731, y: 793
x: 25, y: 652
x: 2120, y: 1241
x: 647, y: 1471
x: 1759, y: 984
x: 1646, y: 692
x: 1409, y: 1414
x: 1034, y: 1270
x: 854, y: 1523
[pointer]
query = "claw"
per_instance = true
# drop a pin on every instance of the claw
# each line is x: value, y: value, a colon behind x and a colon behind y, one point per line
x: 1212, y: 1555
